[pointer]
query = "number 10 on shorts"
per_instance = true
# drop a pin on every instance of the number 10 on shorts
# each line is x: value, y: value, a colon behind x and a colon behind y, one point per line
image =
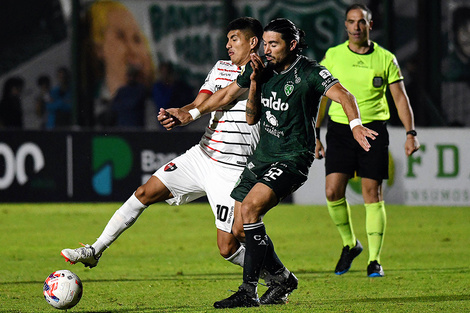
x: 222, y: 212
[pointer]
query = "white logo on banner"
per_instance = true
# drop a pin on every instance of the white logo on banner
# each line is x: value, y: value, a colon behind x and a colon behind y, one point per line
x: 15, y: 165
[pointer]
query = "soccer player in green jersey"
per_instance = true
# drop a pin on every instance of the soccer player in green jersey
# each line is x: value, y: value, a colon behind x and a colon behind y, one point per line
x: 365, y: 69
x: 283, y: 98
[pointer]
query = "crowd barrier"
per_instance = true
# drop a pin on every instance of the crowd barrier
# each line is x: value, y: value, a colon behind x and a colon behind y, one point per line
x: 81, y: 166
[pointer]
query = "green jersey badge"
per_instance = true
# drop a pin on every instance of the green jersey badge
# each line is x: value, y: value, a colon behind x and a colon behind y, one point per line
x: 289, y: 88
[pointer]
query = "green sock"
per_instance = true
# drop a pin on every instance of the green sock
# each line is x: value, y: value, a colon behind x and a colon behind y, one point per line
x: 376, y: 221
x: 341, y: 215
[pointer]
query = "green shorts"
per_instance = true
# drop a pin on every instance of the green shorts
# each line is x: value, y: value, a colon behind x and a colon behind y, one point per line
x: 283, y: 177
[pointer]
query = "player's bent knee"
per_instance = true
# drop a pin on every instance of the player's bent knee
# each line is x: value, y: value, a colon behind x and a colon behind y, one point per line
x: 250, y: 213
x: 145, y: 195
x: 152, y: 191
x: 140, y: 194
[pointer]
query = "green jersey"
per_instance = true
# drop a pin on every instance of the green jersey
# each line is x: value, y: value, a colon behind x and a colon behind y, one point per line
x: 289, y: 106
x: 366, y: 76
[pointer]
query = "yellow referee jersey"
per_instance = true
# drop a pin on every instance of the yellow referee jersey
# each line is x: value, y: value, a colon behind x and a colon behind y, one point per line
x: 366, y: 76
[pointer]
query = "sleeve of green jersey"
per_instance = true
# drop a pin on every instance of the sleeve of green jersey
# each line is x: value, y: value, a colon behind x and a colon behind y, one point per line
x: 321, y: 79
x: 243, y: 80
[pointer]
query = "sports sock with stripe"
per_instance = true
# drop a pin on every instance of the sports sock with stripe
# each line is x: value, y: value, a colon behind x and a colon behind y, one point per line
x: 340, y: 213
x: 376, y: 221
x: 256, y: 244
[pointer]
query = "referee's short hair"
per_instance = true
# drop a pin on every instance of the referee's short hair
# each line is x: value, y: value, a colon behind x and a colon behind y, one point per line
x: 359, y: 6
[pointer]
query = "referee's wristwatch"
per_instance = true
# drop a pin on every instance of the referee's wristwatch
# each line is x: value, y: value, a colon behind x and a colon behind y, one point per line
x: 412, y: 133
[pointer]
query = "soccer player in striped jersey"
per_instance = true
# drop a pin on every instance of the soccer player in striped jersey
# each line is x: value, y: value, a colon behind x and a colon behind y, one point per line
x: 210, y: 168
x: 365, y: 69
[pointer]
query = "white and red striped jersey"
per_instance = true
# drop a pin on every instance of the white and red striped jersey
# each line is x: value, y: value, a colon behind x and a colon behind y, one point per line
x: 228, y: 138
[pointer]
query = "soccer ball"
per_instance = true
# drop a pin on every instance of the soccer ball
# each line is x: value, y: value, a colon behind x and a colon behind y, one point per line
x: 62, y: 289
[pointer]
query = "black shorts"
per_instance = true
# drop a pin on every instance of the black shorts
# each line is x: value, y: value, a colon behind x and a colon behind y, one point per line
x: 282, y: 177
x: 345, y: 155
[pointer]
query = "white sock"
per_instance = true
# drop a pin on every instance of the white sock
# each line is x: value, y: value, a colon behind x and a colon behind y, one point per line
x: 122, y: 219
x: 238, y: 258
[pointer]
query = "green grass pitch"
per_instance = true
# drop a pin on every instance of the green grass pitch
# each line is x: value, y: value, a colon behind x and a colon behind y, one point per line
x: 169, y: 262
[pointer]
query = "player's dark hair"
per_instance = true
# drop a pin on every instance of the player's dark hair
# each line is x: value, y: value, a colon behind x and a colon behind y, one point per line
x: 359, y: 6
x: 288, y: 32
x: 247, y: 24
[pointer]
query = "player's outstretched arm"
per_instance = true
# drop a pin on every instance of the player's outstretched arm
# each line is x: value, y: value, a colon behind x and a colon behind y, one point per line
x: 221, y: 98
x: 341, y: 95
x: 183, y: 116
x: 180, y: 116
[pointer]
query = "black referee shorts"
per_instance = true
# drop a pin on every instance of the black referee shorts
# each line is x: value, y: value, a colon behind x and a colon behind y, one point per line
x: 345, y: 155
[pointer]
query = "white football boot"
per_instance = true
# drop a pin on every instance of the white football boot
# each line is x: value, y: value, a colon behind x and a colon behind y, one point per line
x: 85, y: 255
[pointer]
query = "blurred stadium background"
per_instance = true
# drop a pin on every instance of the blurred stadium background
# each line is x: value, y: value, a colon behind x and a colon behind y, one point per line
x: 89, y: 159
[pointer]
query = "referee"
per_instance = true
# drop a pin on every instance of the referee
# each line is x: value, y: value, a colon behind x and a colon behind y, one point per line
x: 365, y: 69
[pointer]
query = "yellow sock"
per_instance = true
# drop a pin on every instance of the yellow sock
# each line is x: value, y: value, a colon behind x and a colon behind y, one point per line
x: 340, y: 213
x: 376, y: 221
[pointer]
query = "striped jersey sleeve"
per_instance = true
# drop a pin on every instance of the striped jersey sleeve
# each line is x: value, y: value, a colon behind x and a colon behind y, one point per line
x: 228, y: 139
